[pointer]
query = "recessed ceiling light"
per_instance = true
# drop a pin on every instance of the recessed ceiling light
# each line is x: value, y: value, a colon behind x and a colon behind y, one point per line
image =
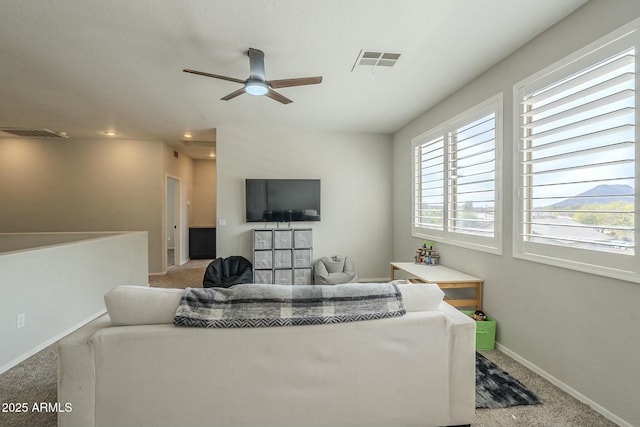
x: 212, y: 155
x: 110, y: 133
x: 187, y: 135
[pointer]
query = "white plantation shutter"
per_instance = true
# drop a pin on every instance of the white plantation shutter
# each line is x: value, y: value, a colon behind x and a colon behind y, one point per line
x: 455, y: 184
x: 472, y: 177
x: 576, y: 159
x: 429, y: 183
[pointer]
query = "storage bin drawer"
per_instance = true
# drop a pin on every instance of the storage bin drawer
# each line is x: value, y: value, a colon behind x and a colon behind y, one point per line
x: 263, y: 239
x: 485, y: 333
x: 302, y: 258
x: 302, y: 238
x: 282, y: 239
x: 263, y: 276
x: 282, y: 258
x: 263, y: 259
x: 283, y: 277
x: 302, y: 276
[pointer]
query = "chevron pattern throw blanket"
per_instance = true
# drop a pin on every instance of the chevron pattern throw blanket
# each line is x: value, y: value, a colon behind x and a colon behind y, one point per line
x: 258, y: 305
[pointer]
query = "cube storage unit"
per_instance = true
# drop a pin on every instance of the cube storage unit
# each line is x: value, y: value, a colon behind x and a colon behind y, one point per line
x: 485, y: 333
x: 283, y: 256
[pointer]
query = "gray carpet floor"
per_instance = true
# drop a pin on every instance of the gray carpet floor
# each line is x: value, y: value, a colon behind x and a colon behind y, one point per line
x: 558, y: 409
x: 35, y: 380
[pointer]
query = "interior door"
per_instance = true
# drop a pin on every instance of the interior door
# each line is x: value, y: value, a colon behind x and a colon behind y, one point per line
x: 173, y: 220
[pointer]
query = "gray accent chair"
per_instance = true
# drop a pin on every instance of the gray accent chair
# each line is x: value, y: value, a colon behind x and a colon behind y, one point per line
x: 334, y: 270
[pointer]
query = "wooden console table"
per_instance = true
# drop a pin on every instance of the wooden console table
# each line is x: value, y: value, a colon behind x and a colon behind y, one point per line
x: 444, y: 277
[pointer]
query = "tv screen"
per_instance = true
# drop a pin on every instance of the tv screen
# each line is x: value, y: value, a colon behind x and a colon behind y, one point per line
x: 282, y: 200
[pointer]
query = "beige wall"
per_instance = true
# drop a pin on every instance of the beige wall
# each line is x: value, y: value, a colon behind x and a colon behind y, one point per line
x: 82, y: 185
x: 355, y: 173
x: 92, y: 185
x: 578, y: 328
x: 204, y: 194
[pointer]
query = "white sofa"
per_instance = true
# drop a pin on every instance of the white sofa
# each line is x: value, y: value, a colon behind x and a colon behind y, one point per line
x: 133, y: 367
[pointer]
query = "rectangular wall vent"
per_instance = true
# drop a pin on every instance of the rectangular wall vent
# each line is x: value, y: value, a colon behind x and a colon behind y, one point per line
x: 32, y: 133
x: 376, y: 59
x: 190, y: 143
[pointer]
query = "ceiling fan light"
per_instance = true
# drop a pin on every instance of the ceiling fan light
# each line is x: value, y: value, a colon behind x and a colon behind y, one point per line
x: 256, y: 87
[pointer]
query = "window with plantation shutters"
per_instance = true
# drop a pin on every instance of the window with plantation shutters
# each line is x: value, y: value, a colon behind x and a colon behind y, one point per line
x: 456, y: 185
x: 576, y: 159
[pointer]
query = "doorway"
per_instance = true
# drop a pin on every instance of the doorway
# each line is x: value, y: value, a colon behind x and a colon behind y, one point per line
x: 173, y: 221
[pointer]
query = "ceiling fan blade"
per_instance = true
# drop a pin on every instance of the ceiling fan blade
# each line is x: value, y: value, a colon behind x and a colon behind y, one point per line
x: 233, y: 94
x: 215, y: 76
x: 277, y: 84
x: 275, y: 95
x: 256, y: 64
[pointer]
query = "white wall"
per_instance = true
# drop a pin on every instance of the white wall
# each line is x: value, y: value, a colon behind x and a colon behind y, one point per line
x: 578, y: 328
x: 60, y: 287
x: 355, y: 173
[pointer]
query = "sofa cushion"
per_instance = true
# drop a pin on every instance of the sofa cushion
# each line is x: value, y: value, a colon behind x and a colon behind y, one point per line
x: 142, y: 305
x: 420, y: 296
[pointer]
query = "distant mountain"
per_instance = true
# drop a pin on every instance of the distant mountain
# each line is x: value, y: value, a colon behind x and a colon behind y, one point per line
x: 602, y: 194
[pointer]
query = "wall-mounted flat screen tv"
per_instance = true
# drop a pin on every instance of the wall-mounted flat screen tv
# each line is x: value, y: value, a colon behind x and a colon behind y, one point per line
x: 282, y: 200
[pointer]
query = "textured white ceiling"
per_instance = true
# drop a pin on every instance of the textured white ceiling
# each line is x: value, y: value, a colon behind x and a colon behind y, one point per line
x: 82, y: 67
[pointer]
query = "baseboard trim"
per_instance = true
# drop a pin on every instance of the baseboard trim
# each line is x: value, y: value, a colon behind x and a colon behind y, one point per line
x: 564, y: 387
x: 47, y: 343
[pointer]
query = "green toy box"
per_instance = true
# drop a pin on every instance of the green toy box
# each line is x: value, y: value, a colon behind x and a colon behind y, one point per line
x: 485, y: 333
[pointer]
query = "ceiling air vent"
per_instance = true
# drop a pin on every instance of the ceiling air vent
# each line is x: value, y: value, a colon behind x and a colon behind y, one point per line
x: 208, y: 144
x: 376, y: 59
x: 33, y: 133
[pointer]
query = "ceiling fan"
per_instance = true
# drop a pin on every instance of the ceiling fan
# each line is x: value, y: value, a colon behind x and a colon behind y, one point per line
x: 257, y: 84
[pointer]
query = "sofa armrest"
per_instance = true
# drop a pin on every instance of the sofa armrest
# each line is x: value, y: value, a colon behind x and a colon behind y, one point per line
x: 76, y: 374
x: 463, y: 365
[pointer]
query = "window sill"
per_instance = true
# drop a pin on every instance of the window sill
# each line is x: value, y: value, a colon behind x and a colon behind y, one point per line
x: 476, y: 246
x: 599, y: 270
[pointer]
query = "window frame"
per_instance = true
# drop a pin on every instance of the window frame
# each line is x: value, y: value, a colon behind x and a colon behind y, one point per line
x: 618, y: 266
x: 493, y: 245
